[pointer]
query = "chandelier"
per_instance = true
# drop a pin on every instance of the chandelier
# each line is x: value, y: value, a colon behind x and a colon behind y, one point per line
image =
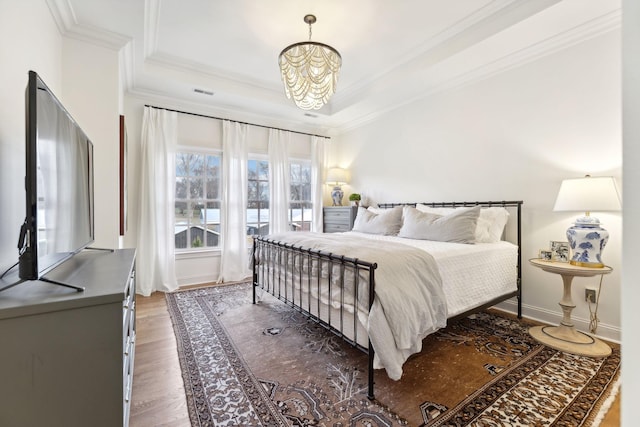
x: 309, y: 71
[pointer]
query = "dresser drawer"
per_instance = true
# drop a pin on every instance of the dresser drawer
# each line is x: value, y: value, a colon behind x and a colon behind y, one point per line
x: 338, y: 218
x: 337, y: 215
x: 336, y: 228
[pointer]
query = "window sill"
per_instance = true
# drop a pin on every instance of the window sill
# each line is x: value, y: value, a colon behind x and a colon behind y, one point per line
x: 199, y: 253
x: 202, y: 253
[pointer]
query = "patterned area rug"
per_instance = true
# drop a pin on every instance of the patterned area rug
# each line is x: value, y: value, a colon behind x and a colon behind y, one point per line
x: 266, y: 365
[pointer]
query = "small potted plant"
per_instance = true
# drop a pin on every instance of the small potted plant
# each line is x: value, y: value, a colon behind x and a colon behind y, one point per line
x: 355, y: 198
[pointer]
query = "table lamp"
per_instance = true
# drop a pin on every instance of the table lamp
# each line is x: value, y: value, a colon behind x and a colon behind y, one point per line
x: 337, y: 177
x: 587, y: 238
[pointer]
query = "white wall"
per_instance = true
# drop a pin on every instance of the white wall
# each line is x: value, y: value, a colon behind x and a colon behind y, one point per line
x: 90, y: 89
x: 29, y: 40
x: 631, y: 211
x: 514, y: 136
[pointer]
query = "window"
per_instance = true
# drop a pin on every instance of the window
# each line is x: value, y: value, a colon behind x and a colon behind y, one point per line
x: 300, y: 205
x: 197, y: 206
x: 258, y: 197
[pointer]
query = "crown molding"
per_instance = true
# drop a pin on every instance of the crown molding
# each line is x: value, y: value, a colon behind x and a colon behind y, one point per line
x: 68, y: 26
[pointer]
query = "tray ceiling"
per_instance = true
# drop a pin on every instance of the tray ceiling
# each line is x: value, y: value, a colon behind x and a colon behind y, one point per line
x: 393, y: 52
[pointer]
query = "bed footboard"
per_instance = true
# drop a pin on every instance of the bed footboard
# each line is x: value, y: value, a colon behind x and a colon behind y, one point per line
x: 335, y: 291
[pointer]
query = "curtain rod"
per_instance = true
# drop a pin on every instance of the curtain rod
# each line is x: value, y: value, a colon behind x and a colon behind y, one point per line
x: 235, y: 121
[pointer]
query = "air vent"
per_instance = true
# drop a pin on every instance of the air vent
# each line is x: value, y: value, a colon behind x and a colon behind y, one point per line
x: 204, y: 92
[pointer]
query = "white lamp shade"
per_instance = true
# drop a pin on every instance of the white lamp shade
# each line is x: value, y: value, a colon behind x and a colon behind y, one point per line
x: 588, y: 194
x: 336, y: 176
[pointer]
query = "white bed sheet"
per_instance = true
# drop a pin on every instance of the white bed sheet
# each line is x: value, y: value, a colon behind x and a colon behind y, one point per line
x: 472, y: 275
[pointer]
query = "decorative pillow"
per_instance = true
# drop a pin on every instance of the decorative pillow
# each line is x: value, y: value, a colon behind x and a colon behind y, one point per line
x: 458, y: 226
x: 491, y: 221
x: 375, y: 210
x: 387, y: 222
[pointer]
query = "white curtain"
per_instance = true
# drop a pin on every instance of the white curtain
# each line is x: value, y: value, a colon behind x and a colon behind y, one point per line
x: 279, y: 191
x: 317, y: 169
x: 233, y: 216
x: 155, y: 262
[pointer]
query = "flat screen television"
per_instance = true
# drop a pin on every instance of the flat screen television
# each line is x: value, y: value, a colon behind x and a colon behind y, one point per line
x: 59, y: 218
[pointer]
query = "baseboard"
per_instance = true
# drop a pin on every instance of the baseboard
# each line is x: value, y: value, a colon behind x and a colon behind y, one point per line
x: 197, y: 280
x: 605, y: 331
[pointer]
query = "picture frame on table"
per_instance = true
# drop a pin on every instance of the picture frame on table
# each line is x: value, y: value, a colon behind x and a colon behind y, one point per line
x: 545, y: 255
x: 559, y: 251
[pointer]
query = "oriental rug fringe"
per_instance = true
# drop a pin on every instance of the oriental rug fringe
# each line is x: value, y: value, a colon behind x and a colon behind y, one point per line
x: 267, y: 365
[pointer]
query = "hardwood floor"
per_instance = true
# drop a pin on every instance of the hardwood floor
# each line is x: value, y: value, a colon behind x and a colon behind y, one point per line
x: 158, y: 397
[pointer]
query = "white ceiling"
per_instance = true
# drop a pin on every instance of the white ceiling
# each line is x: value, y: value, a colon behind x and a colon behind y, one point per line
x: 393, y: 52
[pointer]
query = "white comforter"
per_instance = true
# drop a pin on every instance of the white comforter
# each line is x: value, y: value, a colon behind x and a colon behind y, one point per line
x: 409, y: 303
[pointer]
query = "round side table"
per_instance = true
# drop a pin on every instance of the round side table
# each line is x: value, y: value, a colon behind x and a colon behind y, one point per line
x: 565, y: 337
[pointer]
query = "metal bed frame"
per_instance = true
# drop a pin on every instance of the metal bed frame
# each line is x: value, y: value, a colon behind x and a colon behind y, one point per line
x: 288, y: 287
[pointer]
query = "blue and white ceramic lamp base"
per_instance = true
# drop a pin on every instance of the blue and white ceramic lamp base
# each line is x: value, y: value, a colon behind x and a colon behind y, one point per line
x: 587, y: 240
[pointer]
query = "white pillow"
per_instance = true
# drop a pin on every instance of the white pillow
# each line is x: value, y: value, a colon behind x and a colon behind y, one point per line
x: 491, y: 221
x: 387, y: 222
x: 458, y: 226
x: 439, y: 211
x: 376, y: 210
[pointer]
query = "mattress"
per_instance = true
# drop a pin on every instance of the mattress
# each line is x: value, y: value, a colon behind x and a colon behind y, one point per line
x: 472, y: 275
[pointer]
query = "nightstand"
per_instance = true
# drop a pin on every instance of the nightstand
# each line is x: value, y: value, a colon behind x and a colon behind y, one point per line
x: 338, y: 218
x: 565, y: 337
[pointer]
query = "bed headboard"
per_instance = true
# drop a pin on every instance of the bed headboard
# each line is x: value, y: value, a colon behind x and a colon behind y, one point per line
x: 513, y: 230
x: 512, y: 233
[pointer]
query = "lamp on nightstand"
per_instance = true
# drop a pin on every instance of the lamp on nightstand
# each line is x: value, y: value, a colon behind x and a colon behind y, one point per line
x: 337, y: 177
x: 586, y: 237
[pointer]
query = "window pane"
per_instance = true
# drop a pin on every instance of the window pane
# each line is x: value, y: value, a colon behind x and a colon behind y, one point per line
x: 196, y: 186
x: 252, y: 193
x: 306, y: 192
x: 295, y: 192
x: 181, y: 187
x: 181, y: 225
x: 212, y: 215
x: 295, y: 173
x: 305, y: 173
x: 263, y: 170
x: 182, y: 162
x: 252, y: 169
x: 213, y: 177
x: 263, y: 191
x: 300, y: 199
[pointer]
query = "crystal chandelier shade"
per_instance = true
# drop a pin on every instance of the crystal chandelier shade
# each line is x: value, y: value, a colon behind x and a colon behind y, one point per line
x: 310, y: 71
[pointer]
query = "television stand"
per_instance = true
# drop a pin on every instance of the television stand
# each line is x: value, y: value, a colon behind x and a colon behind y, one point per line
x: 67, y: 358
x: 68, y: 285
x: 11, y: 285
